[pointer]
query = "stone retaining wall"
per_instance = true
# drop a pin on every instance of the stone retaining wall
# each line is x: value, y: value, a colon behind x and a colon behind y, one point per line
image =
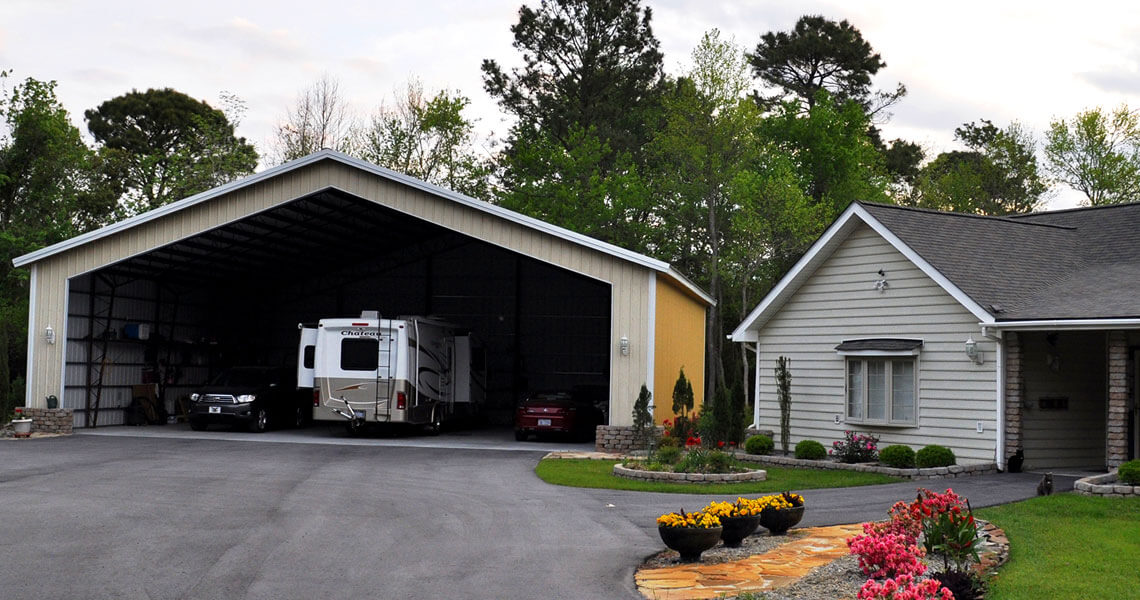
x: 1107, y: 485
x: 47, y: 420
x: 757, y: 475
x: 618, y: 439
x: 950, y: 472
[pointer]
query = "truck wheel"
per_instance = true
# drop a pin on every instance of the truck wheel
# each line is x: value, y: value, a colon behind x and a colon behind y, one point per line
x: 260, y: 421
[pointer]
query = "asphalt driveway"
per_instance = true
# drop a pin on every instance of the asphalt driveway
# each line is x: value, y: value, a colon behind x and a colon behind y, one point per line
x: 104, y: 516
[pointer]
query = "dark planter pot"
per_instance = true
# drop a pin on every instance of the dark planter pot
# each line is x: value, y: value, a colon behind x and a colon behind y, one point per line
x: 738, y: 528
x: 779, y: 521
x: 690, y: 541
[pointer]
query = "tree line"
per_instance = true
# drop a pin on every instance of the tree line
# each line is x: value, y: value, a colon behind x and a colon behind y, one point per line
x: 728, y: 170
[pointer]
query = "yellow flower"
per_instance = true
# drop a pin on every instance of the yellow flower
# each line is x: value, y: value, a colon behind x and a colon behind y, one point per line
x: 700, y: 519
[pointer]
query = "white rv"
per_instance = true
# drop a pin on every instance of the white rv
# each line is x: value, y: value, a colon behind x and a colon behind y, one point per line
x: 411, y: 370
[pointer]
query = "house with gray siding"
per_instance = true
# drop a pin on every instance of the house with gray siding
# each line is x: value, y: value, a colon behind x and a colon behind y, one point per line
x: 983, y: 334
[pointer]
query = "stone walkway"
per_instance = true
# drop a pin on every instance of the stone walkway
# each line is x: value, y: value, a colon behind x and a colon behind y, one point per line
x: 809, y: 548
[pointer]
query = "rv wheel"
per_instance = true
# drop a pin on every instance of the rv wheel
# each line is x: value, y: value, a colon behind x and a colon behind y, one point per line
x: 436, y: 423
x: 355, y: 427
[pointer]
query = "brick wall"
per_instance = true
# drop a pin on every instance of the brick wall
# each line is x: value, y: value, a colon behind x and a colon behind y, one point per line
x: 47, y: 420
x: 617, y: 439
x: 1014, y: 390
x: 1116, y: 450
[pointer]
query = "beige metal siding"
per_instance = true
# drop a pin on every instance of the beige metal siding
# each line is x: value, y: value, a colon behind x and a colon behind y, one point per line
x: 839, y: 302
x: 630, y: 285
x: 1072, y: 367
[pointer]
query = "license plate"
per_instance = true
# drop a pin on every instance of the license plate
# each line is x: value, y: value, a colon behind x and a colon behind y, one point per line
x: 359, y: 414
x: 544, y: 422
x: 215, y: 410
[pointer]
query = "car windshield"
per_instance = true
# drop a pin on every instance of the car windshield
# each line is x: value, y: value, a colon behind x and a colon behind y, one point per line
x: 243, y: 377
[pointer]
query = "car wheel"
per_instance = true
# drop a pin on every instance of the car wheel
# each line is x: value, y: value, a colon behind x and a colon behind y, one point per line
x: 520, y: 435
x: 260, y: 421
x: 197, y: 425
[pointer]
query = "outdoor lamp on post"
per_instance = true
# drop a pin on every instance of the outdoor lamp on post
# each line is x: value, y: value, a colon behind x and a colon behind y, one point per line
x: 972, y: 351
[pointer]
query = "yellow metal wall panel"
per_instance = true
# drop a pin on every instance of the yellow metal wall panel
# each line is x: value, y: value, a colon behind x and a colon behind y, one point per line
x: 680, y: 342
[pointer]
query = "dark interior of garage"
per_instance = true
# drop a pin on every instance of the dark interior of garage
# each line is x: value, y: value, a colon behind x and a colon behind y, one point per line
x: 233, y: 296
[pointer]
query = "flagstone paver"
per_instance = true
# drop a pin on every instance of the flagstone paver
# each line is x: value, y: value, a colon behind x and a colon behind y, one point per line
x: 806, y: 549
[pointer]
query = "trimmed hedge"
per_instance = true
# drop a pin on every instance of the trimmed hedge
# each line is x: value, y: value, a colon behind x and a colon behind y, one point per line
x: 934, y: 456
x: 810, y: 450
x: 897, y: 456
x: 759, y: 444
x: 1129, y: 472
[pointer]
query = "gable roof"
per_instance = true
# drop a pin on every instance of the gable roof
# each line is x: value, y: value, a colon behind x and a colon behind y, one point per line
x: 1080, y: 264
x: 331, y: 155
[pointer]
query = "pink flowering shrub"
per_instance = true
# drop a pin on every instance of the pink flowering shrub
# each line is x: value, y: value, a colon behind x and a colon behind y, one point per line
x: 904, y: 587
x: 855, y: 448
x: 884, y: 554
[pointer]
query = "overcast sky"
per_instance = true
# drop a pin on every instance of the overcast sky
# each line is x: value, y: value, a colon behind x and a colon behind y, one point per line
x: 960, y: 61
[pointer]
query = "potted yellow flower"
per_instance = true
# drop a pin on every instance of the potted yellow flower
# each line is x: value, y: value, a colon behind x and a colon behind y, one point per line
x: 779, y: 512
x: 690, y: 533
x: 739, y: 519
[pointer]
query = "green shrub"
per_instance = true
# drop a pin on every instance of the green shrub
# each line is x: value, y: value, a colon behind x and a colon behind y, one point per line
x: 759, y: 444
x: 694, y: 461
x: 668, y: 442
x: 810, y: 450
x: 934, y: 456
x: 897, y: 456
x: 1129, y: 472
x: 719, y: 462
x: 668, y: 454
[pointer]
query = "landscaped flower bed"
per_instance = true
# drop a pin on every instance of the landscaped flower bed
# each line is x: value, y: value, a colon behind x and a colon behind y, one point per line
x: 895, y: 554
x: 846, y: 454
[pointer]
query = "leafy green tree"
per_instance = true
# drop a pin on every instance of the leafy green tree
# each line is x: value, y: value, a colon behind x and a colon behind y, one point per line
x: 584, y: 102
x: 428, y: 138
x: 998, y: 175
x: 833, y: 156
x: 1097, y: 153
x: 164, y: 146
x: 47, y: 193
x: 819, y: 54
x: 708, y: 137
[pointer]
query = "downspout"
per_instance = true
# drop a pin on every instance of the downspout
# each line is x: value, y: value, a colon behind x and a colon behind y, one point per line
x: 999, y: 450
x: 756, y: 391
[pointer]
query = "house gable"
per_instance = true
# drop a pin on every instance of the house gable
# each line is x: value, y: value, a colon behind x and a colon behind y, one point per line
x: 839, y: 301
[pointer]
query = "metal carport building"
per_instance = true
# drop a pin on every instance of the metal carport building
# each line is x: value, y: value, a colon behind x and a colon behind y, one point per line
x: 223, y: 277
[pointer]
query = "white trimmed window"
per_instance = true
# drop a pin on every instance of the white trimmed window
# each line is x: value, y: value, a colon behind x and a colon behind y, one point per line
x: 881, y: 380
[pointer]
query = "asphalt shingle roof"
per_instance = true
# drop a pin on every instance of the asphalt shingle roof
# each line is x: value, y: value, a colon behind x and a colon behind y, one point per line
x: 1072, y: 264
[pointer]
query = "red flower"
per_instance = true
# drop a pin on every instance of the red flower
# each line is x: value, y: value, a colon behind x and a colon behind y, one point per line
x: 720, y: 444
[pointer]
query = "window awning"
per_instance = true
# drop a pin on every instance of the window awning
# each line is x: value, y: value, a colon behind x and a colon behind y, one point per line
x: 880, y: 347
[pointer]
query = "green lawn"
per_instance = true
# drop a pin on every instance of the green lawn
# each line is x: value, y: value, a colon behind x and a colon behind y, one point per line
x: 1069, y: 546
x: 599, y: 474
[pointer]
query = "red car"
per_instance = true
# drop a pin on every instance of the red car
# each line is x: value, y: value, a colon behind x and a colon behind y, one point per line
x: 556, y: 412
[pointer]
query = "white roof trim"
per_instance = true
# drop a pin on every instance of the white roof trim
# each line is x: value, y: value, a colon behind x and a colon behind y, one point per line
x: 747, y: 331
x: 1051, y: 324
x: 498, y: 211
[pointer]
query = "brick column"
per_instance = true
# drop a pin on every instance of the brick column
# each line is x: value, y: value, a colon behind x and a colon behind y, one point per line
x: 1014, y: 392
x: 1116, y: 448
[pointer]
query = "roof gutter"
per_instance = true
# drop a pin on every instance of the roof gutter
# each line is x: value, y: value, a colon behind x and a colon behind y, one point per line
x: 1056, y: 324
